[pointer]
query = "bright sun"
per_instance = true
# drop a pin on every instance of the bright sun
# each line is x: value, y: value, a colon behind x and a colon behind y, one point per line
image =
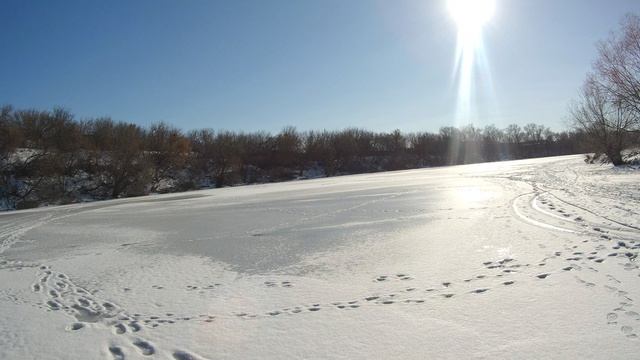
x: 471, y: 68
x: 471, y: 15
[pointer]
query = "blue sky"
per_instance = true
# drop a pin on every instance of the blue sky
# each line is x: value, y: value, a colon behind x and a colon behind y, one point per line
x: 264, y: 64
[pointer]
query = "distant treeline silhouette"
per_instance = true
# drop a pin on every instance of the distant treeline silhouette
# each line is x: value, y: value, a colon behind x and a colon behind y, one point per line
x: 49, y: 157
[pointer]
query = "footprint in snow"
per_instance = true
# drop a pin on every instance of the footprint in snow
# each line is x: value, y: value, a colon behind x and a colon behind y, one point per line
x: 400, y: 276
x: 585, y: 283
x: 479, y: 291
x: 182, y: 355
x: 53, y: 305
x: 119, y: 329
x: 628, y: 331
x: 286, y: 284
x: 633, y: 315
x: 419, y: 301
x: 145, y: 347
x: 349, y: 305
x: 75, y: 326
x: 134, y: 326
x: 116, y: 353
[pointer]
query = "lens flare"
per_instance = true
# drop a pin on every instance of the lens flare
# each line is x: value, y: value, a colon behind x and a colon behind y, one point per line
x: 470, y: 17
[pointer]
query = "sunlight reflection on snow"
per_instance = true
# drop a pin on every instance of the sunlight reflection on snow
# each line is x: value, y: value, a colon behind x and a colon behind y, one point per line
x: 472, y: 194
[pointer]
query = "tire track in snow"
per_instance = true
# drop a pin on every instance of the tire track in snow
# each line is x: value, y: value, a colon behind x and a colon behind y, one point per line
x: 535, y: 206
x: 594, y: 213
x: 533, y: 221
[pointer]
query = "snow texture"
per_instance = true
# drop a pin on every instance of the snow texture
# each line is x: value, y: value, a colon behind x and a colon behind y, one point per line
x: 523, y: 259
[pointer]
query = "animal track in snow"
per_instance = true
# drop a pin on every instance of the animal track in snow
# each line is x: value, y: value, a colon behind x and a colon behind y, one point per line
x: 144, y: 347
x: 285, y: 284
x: 119, y: 329
x: 75, y: 326
x: 116, y: 353
x: 182, y: 355
x: 479, y: 291
x: 383, y: 278
x: 206, y: 287
x: 62, y: 294
x: 86, y: 307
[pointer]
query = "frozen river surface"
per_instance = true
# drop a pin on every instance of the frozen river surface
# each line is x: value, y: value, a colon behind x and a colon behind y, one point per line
x: 520, y: 259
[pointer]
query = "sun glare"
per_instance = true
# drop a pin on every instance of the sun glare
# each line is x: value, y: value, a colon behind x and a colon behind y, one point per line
x: 470, y: 17
x: 471, y: 67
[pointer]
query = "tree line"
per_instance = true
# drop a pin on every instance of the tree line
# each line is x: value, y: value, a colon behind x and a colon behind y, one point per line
x: 49, y: 157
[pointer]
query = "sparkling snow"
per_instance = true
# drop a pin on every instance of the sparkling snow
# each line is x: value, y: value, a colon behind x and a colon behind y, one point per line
x: 520, y: 259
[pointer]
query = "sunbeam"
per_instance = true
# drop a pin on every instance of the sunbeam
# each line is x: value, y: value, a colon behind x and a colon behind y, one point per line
x: 470, y: 16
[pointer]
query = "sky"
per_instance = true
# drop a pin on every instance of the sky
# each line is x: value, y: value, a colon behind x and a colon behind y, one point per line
x: 323, y: 64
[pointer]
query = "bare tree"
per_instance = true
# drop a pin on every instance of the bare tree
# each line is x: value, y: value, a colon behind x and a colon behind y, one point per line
x: 492, y: 136
x: 117, y: 158
x: 167, y: 150
x: 608, y: 109
x: 10, y: 139
x: 604, y: 119
x: 533, y: 132
x: 514, y: 134
x: 318, y: 150
x: 617, y: 69
x: 287, y: 149
x: 10, y: 133
x: 215, y: 155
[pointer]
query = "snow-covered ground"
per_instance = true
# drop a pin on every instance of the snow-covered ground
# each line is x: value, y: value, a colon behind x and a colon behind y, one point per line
x: 521, y: 259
